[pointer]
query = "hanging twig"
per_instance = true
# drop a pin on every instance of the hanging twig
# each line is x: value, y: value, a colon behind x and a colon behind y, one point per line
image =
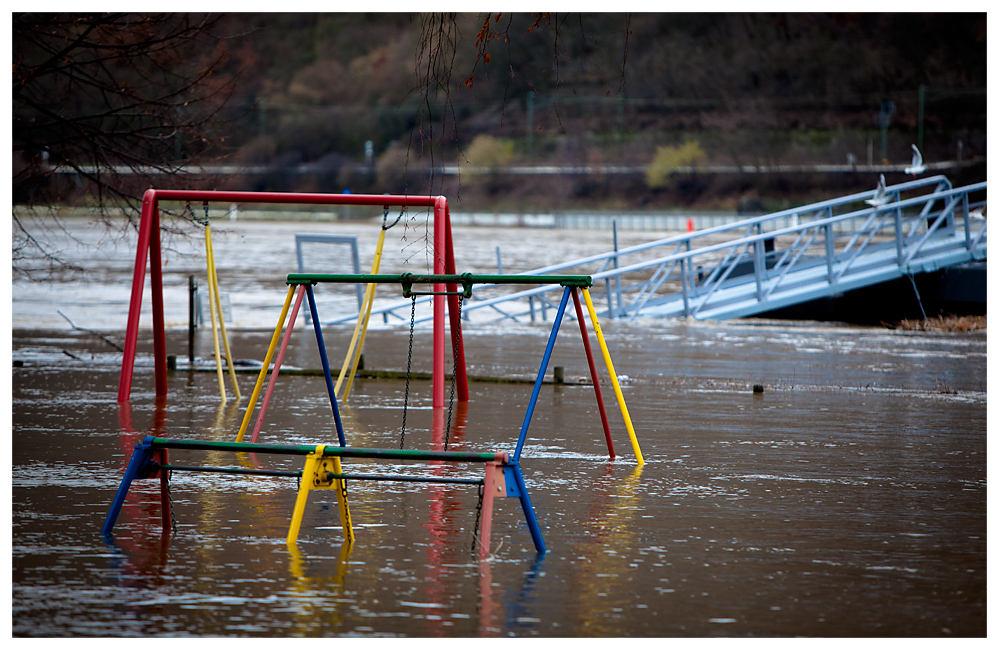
x: 83, y: 329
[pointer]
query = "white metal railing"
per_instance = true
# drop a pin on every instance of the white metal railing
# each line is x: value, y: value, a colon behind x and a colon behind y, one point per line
x: 760, y: 263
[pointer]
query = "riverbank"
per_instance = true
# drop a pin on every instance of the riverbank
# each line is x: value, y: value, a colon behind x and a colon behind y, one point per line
x: 943, y: 324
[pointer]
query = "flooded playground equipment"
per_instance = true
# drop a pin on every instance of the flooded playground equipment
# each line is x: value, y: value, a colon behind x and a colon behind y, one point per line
x: 149, y: 253
x: 323, y: 469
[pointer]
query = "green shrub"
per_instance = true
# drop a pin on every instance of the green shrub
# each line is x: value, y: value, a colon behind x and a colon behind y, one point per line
x: 670, y: 158
x: 487, y: 151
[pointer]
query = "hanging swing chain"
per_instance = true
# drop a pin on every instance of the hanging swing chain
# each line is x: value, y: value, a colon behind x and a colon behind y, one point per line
x: 173, y: 515
x: 385, y: 217
x: 409, y: 367
x: 454, y: 372
x: 478, y: 517
x: 190, y: 211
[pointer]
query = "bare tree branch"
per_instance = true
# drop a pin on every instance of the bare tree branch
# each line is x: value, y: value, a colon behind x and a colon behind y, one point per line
x: 104, y: 90
x: 97, y: 93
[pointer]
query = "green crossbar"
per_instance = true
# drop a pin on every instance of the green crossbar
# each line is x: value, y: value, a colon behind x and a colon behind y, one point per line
x: 583, y: 281
x: 329, y: 450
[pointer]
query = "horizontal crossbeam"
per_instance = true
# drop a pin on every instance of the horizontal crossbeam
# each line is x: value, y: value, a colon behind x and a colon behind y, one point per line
x: 582, y: 281
x: 409, y: 479
x: 329, y: 450
x: 330, y: 477
x: 231, y: 470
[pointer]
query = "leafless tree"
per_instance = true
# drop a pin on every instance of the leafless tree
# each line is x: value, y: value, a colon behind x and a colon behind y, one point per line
x: 111, y: 101
x: 445, y: 61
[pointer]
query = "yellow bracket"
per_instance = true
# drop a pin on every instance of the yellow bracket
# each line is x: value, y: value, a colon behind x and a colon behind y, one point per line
x: 315, y: 476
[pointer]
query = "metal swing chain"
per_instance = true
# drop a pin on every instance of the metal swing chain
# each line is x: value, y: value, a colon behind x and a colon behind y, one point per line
x: 454, y: 372
x: 194, y: 218
x: 173, y: 515
x: 409, y: 366
x: 478, y: 517
x: 385, y: 217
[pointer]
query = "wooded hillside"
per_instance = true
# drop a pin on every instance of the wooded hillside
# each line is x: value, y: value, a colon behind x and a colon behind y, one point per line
x: 307, y: 92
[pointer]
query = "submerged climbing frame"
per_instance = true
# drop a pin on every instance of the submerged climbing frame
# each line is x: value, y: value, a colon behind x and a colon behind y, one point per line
x: 571, y: 284
x: 323, y: 470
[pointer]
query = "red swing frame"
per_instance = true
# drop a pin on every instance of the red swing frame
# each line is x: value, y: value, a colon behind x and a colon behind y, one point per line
x: 148, y: 247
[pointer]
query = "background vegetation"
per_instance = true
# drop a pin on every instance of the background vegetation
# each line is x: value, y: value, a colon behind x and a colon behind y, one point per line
x: 299, y: 96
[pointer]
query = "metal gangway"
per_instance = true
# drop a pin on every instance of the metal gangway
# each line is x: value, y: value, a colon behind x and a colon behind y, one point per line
x: 762, y: 263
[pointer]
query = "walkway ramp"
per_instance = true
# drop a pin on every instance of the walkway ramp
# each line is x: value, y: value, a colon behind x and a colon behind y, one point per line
x: 765, y: 263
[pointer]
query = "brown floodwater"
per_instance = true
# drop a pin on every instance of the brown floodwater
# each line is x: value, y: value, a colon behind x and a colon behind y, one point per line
x: 848, y: 499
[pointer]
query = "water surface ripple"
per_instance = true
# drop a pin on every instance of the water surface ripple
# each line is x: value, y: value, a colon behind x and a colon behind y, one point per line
x: 848, y: 499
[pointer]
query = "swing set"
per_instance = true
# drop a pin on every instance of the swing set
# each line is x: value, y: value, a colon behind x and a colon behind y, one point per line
x: 302, y: 285
x: 323, y: 468
x: 148, y: 253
